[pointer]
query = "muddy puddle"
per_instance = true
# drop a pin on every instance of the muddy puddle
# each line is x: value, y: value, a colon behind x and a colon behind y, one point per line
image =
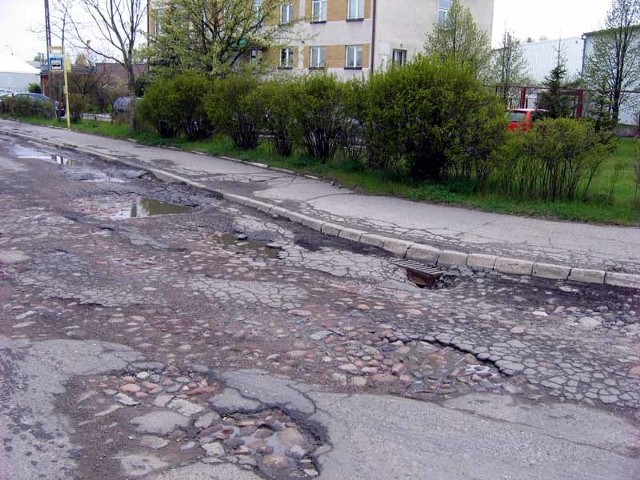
x: 148, y: 207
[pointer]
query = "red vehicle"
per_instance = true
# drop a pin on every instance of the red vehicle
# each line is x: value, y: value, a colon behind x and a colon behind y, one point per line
x: 523, y: 118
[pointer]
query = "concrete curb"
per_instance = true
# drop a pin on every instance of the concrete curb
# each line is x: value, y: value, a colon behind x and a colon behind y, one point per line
x: 398, y: 247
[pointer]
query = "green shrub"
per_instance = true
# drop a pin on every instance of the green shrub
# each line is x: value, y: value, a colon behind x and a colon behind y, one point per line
x: 556, y: 160
x: 34, y: 88
x: 78, y: 104
x: 276, y: 105
x: 434, y: 117
x: 320, y: 114
x: 231, y: 109
x: 176, y: 106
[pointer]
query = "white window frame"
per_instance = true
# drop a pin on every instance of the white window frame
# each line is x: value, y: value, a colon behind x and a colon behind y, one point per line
x: 286, y: 57
x: 287, y: 13
x: 399, y: 54
x: 318, y: 57
x: 355, y: 10
x: 443, y: 10
x: 255, y: 55
x: 353, y: 54
x: 318, y: 11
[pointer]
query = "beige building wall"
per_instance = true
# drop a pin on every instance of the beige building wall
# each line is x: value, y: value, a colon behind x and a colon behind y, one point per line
x: 403, y: 25
x: 399, y: 24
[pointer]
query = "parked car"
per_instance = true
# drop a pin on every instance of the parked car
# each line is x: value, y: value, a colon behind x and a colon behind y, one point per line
x: 41, y: 103
x: 122, y: 105
x: 524, y: 118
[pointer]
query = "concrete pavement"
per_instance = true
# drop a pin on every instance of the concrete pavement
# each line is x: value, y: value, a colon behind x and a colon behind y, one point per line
x: 435, y: 234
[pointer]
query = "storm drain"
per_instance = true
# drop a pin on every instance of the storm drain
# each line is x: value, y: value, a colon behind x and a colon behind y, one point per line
x: 420, y: 274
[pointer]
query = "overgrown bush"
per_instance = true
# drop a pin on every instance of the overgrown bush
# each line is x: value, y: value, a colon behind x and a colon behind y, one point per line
x: 436, y: 118
x: 78, y: 104
x: 320, y: 114
x: 276, y: 105
x: 556, y: 160
x: 34, y: 88
x: 176, y: 106
x: 231, y: 109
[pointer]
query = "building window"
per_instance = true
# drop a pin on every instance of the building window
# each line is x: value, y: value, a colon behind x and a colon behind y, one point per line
x: 354, y: 56
x: 319, y: 11
x: 356, y: 10
x: 255, y: 55
x: 443, y: 10
x: 257, y: 7
x: 286, y: 13
x: 158, y: 17
x: 286, y: 58
x: 318, y: 57
x: 399, y: 57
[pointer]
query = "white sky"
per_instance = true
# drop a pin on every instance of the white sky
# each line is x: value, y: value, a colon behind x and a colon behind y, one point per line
x: 525, y: 18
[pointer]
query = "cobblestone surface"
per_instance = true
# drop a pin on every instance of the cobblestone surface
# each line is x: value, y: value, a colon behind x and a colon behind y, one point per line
x: 225, y: 288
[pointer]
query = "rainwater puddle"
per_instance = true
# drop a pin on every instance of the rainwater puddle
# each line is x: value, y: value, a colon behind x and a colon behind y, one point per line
x: 62, y: 160
x: 32, y: 153
x: 25, y: 152
x: 147, y: 207
x: 247, y: 246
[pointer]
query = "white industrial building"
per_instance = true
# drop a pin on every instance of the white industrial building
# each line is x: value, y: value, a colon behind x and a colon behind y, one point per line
x: 16, y: 75
x: 542, y: 57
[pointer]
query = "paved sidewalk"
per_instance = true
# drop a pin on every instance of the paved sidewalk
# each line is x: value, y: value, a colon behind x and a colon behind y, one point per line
x: 336, y: 210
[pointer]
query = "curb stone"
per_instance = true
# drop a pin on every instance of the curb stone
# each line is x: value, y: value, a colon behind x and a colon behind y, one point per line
x: 402, y: 248
x: 513, y: 266
x: 449, y: 258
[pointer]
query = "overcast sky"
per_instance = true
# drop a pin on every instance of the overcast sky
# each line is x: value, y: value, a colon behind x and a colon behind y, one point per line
x: 525, y: 18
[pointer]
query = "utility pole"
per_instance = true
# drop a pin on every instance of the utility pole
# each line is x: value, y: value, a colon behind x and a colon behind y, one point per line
x: 47, y: 24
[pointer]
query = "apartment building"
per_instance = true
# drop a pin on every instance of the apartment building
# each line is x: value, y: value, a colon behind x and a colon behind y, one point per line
x: 351, y: 37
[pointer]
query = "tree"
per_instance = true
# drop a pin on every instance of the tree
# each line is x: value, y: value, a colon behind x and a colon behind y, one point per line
x: 117, y: 26
x: 459, y: 40
x: 509, y: 65
x: 557, y: 98
x: 215, y: 36
x: 615, y: 58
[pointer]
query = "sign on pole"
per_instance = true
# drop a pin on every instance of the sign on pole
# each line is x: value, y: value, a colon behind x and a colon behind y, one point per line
x: 56, y: 59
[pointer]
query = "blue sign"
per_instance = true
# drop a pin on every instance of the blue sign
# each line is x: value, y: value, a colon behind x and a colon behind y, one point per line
x: 56, y: 62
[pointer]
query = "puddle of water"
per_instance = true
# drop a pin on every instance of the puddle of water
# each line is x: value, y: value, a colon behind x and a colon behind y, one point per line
x: 105, y: 179
x: 62, y: 160
x: 247, y: 245
x: 147, y: 207
x: 32, y: 153
x: 25, y: 152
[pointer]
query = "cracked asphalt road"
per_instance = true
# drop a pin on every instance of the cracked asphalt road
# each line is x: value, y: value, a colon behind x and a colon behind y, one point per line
x: 143, y: 339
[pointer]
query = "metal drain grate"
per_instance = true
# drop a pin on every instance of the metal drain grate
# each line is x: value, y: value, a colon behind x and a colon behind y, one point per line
x: 419, y: 273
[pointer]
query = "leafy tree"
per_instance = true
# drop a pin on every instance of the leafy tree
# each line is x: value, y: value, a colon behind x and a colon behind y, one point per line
x: 215, y: 36
x: 615, y: 59
x: 459, y: 40
x: 116, y: 30
x: 509, y: 65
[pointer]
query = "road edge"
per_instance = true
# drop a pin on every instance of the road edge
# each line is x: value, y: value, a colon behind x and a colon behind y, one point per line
x: 404, y: 249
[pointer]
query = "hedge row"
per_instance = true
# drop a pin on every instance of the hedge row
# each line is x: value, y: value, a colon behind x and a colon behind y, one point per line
x: 426, y: 120
x: 434, y: 122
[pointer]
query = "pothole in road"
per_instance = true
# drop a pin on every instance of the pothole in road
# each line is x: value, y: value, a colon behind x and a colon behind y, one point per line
x: 242, y: 245
x: 148, y: 207
x: 154, y: 417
